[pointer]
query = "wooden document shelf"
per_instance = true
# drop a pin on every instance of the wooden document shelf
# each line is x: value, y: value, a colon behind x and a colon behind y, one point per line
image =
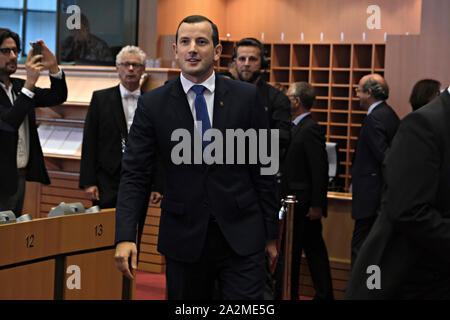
x: 68, y: 257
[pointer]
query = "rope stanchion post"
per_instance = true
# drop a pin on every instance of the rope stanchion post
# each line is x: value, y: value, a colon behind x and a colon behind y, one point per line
x: 289, y: 226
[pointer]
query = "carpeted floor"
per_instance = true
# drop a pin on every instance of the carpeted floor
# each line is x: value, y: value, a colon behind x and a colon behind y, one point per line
x: 152, y: 286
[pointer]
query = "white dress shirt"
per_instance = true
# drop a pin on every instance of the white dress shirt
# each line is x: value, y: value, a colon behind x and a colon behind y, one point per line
x: 300, y: 118
x: 129, y: 103
x: 210, y: 85
x: 373, y: 106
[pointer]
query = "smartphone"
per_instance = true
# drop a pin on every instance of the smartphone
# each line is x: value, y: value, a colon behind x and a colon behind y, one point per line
x: 37, y: 49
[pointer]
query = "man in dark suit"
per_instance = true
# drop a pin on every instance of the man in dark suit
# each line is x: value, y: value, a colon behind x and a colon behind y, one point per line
x: 305, y: 175
x: 249, y: 58
x: 22, y: 159
x: 409, y: 242
x: 376, y: 134
x: 106, y: 128
x: 217, y: 220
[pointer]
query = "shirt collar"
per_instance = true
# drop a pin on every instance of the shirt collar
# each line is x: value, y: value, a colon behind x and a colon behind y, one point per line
x: 448, y: 89
x: 209, y: 83
x: 373, y: 106
x: 4, y: 86
x: 300, y: 118
x: 124, y: 91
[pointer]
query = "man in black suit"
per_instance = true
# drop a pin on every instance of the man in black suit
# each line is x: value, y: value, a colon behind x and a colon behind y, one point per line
x: 217, y: 220
x: 305, y: 175
x: 249, y: 59
x: 22, y: 159
x: 376, y: 134
x: 409, y: 242
x: 106, y: 128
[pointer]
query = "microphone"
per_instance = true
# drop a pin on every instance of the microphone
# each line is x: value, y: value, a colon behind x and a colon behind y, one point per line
x: 7, y: 217
x: 65, y: 209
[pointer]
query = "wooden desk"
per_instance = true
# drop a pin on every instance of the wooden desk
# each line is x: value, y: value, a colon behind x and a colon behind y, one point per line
x: 67, y: 257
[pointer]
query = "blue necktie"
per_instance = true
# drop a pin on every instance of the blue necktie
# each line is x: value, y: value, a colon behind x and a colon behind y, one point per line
x: 201, y: 110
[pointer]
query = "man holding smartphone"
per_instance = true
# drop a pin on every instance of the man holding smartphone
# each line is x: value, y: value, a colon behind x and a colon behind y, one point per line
x: 22, y: 158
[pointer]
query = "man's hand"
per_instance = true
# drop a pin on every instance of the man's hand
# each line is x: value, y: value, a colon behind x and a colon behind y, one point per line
x: 314, y: 213
x: 123, y: 251
x: 145, y: 83
x: 155, y: 197
x: 33, y: 68
x: 49, y: 61
x: 92, y: 193
x: 271, y: 250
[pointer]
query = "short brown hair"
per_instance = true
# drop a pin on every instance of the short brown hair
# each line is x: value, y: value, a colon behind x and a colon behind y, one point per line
x: 6, y: 33
x: 196, y: 19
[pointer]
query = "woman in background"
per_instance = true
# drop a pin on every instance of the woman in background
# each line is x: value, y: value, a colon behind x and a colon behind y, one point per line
x: 423, y: 92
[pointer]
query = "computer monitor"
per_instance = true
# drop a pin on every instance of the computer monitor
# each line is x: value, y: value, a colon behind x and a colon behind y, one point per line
x: 333, y: 165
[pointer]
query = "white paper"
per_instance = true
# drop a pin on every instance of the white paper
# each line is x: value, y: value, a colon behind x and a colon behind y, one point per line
x: 56, y: 139
x: 72, y: 142
x: 44, y: 131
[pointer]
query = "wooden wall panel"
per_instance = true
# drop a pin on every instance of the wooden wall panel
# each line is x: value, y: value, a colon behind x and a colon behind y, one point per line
x: 99, y: 280
x: 253, y: 17
x: 171, y: 12
x: 412, y: 58
x: 148, y: 24
x: 29, y: 282
x: 313, y: 17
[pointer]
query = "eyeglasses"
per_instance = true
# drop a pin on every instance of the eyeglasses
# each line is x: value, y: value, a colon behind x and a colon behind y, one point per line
x: 7, y: 51
x: 134, y: 65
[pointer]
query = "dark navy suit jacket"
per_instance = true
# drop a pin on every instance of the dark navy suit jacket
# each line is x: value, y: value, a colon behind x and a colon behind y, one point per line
x: 409, y: 241
x: 241, y: 199
x: 375, y: 138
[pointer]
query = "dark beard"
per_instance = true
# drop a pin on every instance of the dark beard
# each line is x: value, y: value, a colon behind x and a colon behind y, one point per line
x: 253, y: 78
x: 7, y: 72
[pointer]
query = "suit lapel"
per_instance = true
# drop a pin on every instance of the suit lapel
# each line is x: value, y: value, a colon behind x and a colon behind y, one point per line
x: 180, y: 106
x: 220, y: 109
x: 118, y: 113
x: 4, y: 100
x: 16, y: 86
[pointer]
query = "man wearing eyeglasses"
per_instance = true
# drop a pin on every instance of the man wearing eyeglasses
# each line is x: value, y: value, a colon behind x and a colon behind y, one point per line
x: 22, y: 159
x: 106, y: 128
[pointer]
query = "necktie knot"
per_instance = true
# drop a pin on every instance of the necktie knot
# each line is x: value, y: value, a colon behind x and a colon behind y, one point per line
x: 198, y: 89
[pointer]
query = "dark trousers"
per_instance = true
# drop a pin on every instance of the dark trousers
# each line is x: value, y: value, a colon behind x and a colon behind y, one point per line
x: 307, y: 237
x: 238, y: 277
x: 360, y: 233
x: 15, y: 202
